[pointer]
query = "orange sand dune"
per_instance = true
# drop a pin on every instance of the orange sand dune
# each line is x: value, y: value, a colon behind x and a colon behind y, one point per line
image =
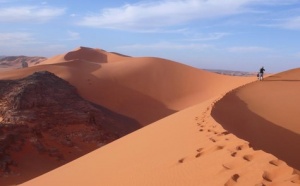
x: 86, y: 54
x: 266, y: 114
x: 186, y: 148
x: 146, y: 89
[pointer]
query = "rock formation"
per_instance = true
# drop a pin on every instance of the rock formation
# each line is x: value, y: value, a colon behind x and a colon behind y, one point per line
x: 43, y: 106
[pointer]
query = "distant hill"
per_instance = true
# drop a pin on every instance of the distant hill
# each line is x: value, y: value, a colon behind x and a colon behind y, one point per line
x: 231, y: 72
x: 13, y: 62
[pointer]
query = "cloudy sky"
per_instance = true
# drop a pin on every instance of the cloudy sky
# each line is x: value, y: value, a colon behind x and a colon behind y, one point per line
x: 218, y: 34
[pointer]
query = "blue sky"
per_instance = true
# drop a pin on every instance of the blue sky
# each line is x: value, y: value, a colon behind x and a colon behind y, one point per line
x: 218, y: 34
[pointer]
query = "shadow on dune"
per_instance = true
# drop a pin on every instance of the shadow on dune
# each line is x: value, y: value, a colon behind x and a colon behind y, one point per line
x: 87, y: 54
x: 131, y: 103
x: 108, y: 92
x: 232, y: 113
x: 111, y: 93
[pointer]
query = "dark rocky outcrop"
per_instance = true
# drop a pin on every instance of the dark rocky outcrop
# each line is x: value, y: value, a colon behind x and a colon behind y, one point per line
x: 43, y: 106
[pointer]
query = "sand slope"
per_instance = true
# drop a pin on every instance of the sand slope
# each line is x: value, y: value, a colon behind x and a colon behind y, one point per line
x: 266, y: 114
x: 186, y: 148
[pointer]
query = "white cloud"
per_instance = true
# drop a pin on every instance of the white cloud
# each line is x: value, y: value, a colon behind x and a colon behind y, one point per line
x: 292, y: 23
x: 276, y: 2
x: 73, y: 35
x: 15, y: 38
x: 207, y: 37
x: 161, y: 13
x: 166, y: 45
x: 29, y: 13
x: 149, y: 15
x: 248, y: 49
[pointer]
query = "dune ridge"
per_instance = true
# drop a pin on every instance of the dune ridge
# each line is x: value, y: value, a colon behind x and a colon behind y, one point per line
x: 88, y: 55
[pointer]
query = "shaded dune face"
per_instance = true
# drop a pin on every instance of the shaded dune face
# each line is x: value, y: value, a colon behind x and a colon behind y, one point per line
x: 87, y: 54
x: 152, y: 88
x: 266, y: 114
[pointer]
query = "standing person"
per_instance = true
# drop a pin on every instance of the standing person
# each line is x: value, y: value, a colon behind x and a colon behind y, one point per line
x: 261, y: 73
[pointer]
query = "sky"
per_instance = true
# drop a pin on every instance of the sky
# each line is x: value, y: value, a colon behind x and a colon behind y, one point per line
x: 239, y: 35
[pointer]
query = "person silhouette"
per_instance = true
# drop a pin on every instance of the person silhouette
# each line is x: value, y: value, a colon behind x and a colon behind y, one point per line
x: 261, y: 73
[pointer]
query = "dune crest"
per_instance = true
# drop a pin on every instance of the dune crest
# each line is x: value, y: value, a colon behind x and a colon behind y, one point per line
x: 86, y: 54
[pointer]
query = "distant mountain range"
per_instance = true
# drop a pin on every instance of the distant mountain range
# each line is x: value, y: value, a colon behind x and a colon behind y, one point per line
x: 12, y: 62
x: 231, y: 72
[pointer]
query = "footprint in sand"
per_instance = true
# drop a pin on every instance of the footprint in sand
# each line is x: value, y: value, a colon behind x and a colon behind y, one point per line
x: 219, y: 147
x: 241, y: 147
x: 213, y: 140
x: 235, y: 177
x: 233, y: 180
x: 233, y: 154
x: 198, y: 155
x: 227, y: 167
x: 199, y: 152
x: 267, y: 176
x: 215, y: 147
x: 260, y: 184
x: 224, y: 133
x: 248, y: 157
x: 181, y: 160
x: 276, y: 162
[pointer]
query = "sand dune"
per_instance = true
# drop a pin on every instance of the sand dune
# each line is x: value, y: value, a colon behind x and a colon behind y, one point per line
x: 183, y: 146
x: 266, y: 114
x: 88, y: 55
